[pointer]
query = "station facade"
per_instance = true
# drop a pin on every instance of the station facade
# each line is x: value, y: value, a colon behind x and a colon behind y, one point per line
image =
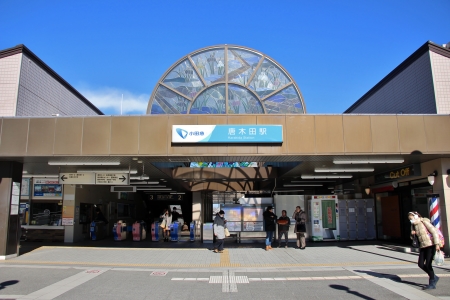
x: 226, y: 127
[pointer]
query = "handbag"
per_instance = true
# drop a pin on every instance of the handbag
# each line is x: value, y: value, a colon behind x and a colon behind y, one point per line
x: 227, y: 233
x: 163, y: 224
x: 415, y: 241
x: 440, y: 235
x: 439, y: 258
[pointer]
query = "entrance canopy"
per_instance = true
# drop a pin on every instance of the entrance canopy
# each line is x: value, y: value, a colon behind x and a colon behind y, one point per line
x: 327, y: 150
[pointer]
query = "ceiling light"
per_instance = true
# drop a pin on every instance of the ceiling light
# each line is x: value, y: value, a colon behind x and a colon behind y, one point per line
x: 40, y: 176
x: 315, y: 181
x: 177, y: 193
x: 331, y: 188
x: 83, y: 163
x: 153, y: 189
x: 145, y: 182
x: 287, y: 191
x: 134, y: 158
x: 124, y: 171
x: 367, y: 189
x: 139, y: 161
x: 293, y: 185
x: 371, y: 161
x: 322, y: 170
x: 325, y: 176
x: 139, y: 177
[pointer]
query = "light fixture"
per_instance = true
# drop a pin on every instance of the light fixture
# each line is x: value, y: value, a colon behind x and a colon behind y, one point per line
x: 395, y: 184
x: 325, y: 176
x: 177, y: 193
x: 135, y: 158
x: 331, y: 188
x: 432, y: 177
x: 287, y: 191
x: 323, y: 170
x: 153, y: 189
x: 139, y: 161
x: 145, y: 182
x: 294, y: 185
x: 40, y: 176
x: 124, y: 171
x: 139, y: 177
x: 371, y: 161
x: 309, y: 181
x: 83, y: 163
x: 367, y: 189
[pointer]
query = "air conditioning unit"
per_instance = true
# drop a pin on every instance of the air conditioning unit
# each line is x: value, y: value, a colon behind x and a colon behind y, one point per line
x: 123, y: 188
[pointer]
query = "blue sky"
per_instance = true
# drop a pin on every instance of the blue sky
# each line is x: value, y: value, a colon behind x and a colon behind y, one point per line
x: 335, y: 50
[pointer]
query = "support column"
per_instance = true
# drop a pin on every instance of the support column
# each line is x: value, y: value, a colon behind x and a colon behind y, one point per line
x: 10, y: 172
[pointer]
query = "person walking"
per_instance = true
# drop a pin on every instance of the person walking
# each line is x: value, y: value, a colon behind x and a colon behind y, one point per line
x: 167, y: 221
x: 269, y: 225
x: 283, y: 228
x: 219, y: 231
x: 429, y: 242
x: 300, y: 227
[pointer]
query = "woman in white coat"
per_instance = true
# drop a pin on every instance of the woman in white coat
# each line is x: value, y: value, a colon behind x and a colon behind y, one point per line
x: 167, y: 221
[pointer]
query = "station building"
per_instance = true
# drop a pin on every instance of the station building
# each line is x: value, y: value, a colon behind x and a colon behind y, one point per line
x: 226, y: 127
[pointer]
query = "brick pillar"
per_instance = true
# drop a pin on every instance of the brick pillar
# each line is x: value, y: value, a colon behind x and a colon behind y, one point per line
x: 10, y: 172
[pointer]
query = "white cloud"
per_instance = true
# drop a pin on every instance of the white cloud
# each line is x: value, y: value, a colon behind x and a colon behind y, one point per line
x: 108, y: 100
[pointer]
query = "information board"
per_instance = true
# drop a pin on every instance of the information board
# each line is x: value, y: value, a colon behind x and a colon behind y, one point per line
x: 112, y: 178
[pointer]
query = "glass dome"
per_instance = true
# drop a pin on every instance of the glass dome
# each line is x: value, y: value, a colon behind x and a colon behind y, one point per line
x: 226, y: 80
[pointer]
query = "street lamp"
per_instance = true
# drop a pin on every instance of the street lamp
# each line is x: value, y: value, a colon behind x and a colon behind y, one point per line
x: 431, y: 177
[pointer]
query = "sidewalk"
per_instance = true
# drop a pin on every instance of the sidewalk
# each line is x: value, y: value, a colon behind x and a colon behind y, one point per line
x: 346, y: 271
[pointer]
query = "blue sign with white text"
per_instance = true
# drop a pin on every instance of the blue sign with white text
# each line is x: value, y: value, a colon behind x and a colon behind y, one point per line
x: 227, y: 134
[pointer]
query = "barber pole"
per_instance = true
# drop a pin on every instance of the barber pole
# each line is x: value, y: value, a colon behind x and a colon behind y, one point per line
x: 434, y: 212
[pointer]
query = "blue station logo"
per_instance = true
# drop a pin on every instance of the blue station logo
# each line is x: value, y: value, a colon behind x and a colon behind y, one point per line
x: 183, y: 133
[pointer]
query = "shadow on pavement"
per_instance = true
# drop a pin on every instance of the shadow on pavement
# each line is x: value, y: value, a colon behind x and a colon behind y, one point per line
x: 6, y: 283
x: 383, y: 255
x: 349, y: 291
x: 392, y: 277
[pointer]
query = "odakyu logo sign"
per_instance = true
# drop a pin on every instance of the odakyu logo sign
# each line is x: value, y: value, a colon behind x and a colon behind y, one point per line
x: 183, y: 133
x: 227, y: 134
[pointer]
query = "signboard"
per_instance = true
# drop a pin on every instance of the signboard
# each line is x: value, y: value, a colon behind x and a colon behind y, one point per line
x: 404, y: 172
x: 227, y: 134
x: 165, y: 197
x: 67, y: 222
x: 25, y: 189
x: 223, y: 164
x: 76, y: 178
x: 47, y: 188
x: 112, y: 178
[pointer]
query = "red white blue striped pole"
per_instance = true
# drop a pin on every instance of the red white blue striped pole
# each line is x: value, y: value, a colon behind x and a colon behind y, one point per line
x: 434, y: 211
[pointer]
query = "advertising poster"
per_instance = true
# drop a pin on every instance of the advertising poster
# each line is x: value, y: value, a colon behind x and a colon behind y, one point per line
x: 253, y: 214
x: 47, y: 188
x: 25, y: 188
x: 232, y: 214
x: 234, y: 226
x: 253, y: 226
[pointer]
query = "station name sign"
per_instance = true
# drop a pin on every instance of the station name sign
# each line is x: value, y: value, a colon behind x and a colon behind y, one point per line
x: 271, y: 134
x: 404, y: 172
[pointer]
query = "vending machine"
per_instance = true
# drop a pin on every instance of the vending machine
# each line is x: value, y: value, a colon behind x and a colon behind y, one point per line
x: 323, y: 218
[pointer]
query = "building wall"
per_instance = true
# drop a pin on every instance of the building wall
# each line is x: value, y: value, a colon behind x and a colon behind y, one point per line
x: 42, y: 95
x: 410, y: 92
x: 441, y: 77
x: 9, y: 79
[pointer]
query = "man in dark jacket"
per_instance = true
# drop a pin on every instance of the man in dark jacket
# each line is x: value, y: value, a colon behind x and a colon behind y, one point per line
x: 283, y: 228
x: 269, y: 224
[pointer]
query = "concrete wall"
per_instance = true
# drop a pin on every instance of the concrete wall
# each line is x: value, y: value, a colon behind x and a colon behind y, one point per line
x: 9, y: 81
x: 151, y: 136
x: 441, y: 77
x: 39, y: 94
x: 410, y: 92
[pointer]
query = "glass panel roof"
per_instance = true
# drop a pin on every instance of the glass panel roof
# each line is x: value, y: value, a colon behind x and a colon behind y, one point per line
x: 285, y: 102
x: 202, y: 81
x: 211, y: 65
x: 168, y: 102
x: 242, y: 101
x: 184, y: 79
x: 210, y: 101
x: 241, y: 65
x: 268, y: 78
